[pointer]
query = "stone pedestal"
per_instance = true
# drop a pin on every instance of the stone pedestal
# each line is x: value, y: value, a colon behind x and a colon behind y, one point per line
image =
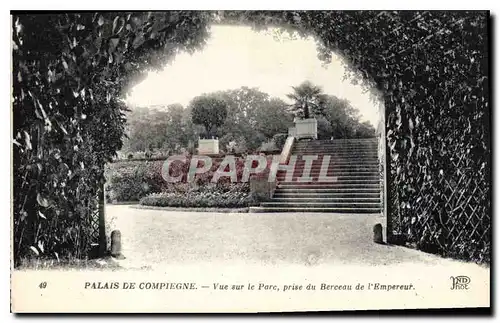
x: 208, y: 146
x: 306, y: 128
x: 260, y: 187
x: 116, y: 245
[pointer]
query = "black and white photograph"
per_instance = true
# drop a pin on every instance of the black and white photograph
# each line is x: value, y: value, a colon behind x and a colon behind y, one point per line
x: 250, y: 161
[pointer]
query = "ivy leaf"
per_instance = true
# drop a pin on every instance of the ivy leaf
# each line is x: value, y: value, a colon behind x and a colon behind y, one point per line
x: 27, y: 140
x: 40, y: 245
x: 42, y: 215
x: 113, y: 42
x: 118, y: 25
x: 42, y: 201
x: 138, y: 41
x: 57, y: 154
x: 34, y: 251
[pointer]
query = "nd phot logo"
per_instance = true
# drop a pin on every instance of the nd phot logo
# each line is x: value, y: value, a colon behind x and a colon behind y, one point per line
x: 459, y: 282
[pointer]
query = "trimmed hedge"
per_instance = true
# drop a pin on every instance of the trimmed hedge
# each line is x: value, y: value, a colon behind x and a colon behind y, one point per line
x: 130, y: 181
x: 220, y: 196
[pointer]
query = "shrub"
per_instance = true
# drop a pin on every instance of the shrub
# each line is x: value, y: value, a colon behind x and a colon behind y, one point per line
x: 268, y: 147
x: 133, y: 180
x: 279, y: 140
x: 214, y: 195
x: 130, y: 181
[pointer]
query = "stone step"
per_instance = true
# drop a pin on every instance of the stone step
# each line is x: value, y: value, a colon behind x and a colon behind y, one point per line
x: 351, y: 171
x: 337, y: 146
x: 346, y: 167
x: 375, y: 194
x: 302, y: 151
x: 329, y: 151
x: 339, y: 162
x: 366, y: 148
x: 319, y: 156
x: 336, y: 164
x: 320, y: 182
x: 316, y: 186
x: 336, y: 142
x: 338, y: 170
x: 354, y: 200
x: 260, y: 209
x: 333, y: 150
x: 350, y: 205
x: 354, y: 174
x: 337, y: 175
x: 329, y: 179
x: 316, y: 174
x: 339, y: 139
x: 316, y: 169
x: 333, y: 155
x: 335, y: 190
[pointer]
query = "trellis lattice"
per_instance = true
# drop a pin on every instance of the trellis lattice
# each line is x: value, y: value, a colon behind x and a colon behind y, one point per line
x: 94, y: 224
x: 450, y: 214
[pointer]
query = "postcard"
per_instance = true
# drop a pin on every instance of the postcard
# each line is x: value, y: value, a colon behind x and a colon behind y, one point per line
x: 250, y: 161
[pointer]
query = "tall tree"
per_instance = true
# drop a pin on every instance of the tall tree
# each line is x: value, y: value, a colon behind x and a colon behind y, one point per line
x: 309, y: 100
x: 273, y: 118
x: 209, y: 111
x: 343, y: 117
x: 168, y: 129
x: 253, y: 116
x: 365, y: 130
x: 342, y: 120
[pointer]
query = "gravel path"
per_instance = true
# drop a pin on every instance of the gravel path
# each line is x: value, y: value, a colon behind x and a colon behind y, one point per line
x: 153, y: 238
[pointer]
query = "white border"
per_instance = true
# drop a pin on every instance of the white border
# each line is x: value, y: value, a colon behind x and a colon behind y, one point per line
x: 193, y: 5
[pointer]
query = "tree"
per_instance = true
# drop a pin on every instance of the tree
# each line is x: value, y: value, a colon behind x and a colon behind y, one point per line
x: 342, y: 116
x: 308, y: 100
x: 273, y: 117
x: 158, y: 128
x: 365, y: 130
x: 253, y: 116
x: 209, y: 111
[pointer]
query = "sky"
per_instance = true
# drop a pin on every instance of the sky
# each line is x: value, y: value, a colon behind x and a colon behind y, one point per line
x: 236, y: 56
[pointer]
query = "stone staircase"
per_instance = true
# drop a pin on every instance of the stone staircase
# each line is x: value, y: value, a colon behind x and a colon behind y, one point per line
x: 354, y: 179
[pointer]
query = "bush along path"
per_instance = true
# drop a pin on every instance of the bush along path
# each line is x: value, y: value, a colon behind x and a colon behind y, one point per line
x: 213, y: 196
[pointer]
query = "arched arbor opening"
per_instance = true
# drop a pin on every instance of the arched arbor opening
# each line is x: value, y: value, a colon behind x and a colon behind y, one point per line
x: 71, y: 70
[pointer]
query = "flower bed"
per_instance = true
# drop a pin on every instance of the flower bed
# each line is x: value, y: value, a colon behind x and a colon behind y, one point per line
x: 209, y: 196
x: 132, y: 180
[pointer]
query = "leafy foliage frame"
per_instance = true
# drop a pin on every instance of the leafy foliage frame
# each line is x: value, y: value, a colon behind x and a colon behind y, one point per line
x: 70, y: 70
